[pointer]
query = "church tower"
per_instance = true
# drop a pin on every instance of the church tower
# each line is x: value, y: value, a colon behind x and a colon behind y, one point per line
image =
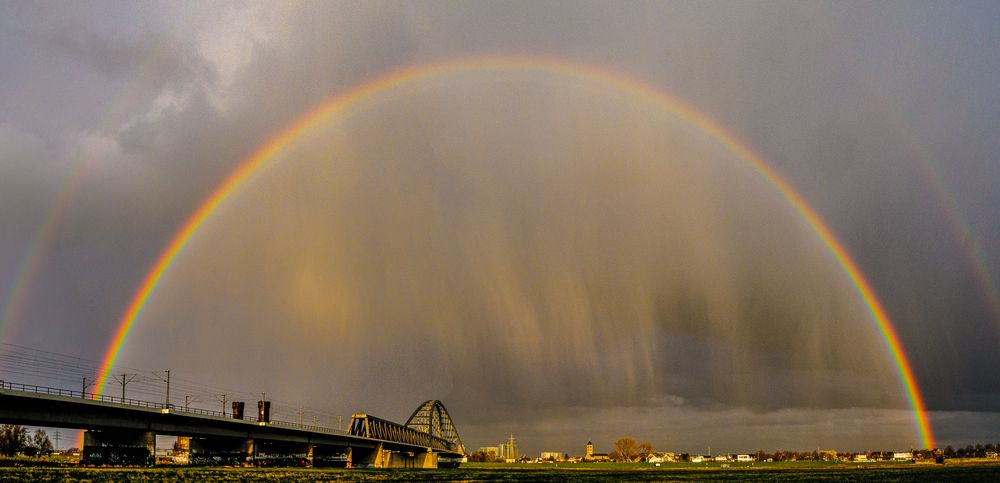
x: 590, y: 451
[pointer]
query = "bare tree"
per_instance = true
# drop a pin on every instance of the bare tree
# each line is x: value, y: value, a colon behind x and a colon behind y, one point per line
x: 645, y: 449
x: 625, y: 449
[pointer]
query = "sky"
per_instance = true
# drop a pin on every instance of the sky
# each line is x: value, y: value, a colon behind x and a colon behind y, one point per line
x: 550, y: 254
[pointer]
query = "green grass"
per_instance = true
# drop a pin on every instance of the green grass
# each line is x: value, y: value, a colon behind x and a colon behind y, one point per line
x: 685, y: 465
x: 801, y: 471
x: 56, y: 460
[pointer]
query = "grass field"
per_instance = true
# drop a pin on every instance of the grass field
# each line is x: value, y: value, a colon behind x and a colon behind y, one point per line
x: 536, y: 472
x: 686, y: 465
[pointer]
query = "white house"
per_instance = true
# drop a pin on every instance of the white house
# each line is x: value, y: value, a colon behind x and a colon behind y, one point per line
x: 902, y: 456
x: 744, y: 458
x: 660, y: 457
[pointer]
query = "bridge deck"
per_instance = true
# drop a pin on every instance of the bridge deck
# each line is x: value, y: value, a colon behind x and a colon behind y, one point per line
x: 67, y: 409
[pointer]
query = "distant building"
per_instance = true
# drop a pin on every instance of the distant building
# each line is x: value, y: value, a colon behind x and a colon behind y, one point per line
x: 743, y: 458
x: 861, y: 458
x: 902, y: 456
x: 491, y: 452
x: 696, y: 458
x: 553, y: 456
x: 661, y: 457
x: 590, y: 455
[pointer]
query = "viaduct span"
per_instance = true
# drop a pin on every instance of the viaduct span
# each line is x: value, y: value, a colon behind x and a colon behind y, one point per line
x: 123, y: 431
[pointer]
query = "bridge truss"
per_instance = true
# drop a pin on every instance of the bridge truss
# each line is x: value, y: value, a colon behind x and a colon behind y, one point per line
x: 430, y: 426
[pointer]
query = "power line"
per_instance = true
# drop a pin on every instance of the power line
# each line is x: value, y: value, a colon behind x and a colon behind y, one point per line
x: 124, y: 380
x: 167, y: 380
x: 45, y: 367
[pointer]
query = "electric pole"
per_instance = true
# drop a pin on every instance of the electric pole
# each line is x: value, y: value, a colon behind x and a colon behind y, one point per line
x: 83, y: 392
x: 125, y: 379
x: 223, y: 398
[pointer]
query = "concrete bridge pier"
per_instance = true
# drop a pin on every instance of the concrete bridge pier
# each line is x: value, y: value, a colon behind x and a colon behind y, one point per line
x: 119, y: 447
x: 377, y: 457
x: 414, y: 459
x: 427, y: 460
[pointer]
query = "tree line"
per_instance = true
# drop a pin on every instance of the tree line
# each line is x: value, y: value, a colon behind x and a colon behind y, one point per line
x: 14, y: 440
x: 627, y: 450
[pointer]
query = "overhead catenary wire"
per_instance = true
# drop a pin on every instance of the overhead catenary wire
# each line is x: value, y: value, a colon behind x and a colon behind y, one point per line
x: 48, y: 368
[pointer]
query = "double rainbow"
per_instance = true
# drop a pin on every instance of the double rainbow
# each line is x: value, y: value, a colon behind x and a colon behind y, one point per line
x: 341, y: 103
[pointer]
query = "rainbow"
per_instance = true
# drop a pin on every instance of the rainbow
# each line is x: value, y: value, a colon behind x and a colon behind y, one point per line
x: 964, y: 234
x: 26, y: 274
x: 28, y: 271
x: 352, y: 98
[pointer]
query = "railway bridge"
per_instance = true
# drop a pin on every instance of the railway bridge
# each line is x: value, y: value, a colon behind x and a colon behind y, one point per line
x: 123, y: 431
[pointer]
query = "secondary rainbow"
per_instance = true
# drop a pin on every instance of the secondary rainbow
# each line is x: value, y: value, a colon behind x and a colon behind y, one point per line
x: 920, y: 154
x: 351, y: 98
x: 24, y: 278
x: 28, y: 272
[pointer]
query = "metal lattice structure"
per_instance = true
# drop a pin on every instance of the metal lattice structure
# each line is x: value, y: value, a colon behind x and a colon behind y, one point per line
x: 368, y: 426
x: 432, y: 418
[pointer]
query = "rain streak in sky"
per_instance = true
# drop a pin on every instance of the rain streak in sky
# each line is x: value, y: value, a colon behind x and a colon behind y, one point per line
x: 554, y: 254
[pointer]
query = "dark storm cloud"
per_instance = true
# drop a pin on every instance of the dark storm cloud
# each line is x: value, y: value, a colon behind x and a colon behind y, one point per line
x: 850, y: 103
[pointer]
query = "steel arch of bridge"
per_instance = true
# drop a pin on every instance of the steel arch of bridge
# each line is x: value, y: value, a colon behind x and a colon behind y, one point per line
x: 430, y: 426
x: 432, y: 418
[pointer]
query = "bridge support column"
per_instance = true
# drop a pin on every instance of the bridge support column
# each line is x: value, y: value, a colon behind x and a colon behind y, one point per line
x: 411, y: 459
x: 427, y: 460
x: 377, y: 457
x: 119, y: 448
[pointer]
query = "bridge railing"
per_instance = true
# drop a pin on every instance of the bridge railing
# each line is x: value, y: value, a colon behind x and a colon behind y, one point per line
x: 306, y: 427
x: 55, y: 391
x: 203, y: 412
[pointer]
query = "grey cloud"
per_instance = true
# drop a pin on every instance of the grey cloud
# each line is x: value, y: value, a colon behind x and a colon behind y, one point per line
x: 450, y: 251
